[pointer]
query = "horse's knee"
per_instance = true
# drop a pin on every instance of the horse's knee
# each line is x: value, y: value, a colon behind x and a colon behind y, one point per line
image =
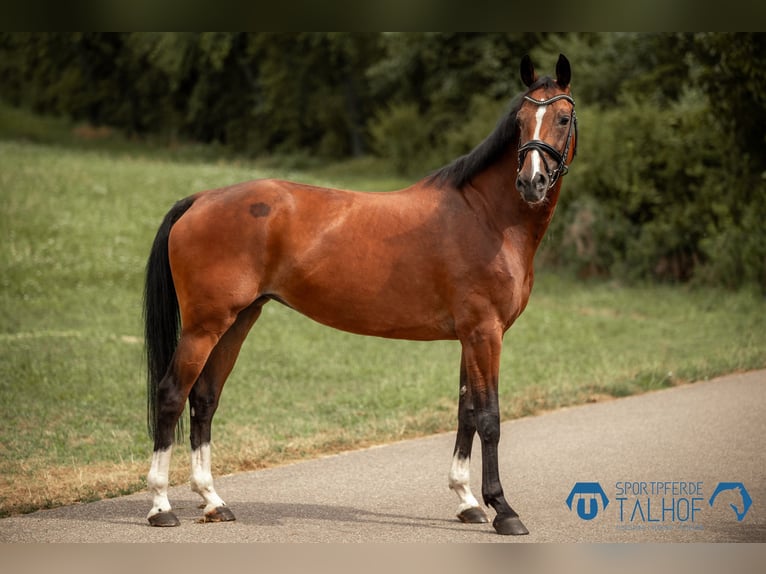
x: 488, y: 426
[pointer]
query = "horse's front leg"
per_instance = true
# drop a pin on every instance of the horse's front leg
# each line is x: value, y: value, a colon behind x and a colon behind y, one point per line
x: 459, y: 476
x: 481, y: 352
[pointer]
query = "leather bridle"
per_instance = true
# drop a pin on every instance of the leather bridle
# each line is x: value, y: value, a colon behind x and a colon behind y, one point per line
x: 559, y: 158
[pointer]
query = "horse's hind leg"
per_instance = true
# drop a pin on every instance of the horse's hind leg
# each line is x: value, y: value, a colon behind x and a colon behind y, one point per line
x: 203, y: 402
x: 459, y: 476
x: 189, y: 358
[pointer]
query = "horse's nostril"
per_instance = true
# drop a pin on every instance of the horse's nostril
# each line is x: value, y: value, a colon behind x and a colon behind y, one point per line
x: 540, y: 182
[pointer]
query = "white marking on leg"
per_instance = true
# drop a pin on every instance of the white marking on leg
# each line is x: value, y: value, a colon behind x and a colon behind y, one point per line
x: 459, y: 478
x: 157, y: 481
x: 202, y: 478
x: 537, y: 160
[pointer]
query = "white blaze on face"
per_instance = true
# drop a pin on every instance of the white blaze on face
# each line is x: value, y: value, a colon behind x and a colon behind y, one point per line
x: 536, y: 158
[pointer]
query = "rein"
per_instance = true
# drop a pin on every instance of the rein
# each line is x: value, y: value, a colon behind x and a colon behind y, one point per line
x: 539, y: 145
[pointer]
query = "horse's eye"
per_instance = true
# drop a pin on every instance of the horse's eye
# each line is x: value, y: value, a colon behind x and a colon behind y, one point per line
x: 564, y: 120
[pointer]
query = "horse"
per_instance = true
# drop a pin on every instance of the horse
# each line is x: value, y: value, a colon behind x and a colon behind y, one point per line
x: 447, y: 258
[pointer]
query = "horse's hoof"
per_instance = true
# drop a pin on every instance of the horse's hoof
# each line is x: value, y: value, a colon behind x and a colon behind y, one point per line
x: 220, y: 514
x: 509, y: 525
x: 164, y: 519
x: 473, y: 515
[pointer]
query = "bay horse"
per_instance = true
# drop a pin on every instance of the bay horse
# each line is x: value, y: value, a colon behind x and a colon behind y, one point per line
x: 450, y: 257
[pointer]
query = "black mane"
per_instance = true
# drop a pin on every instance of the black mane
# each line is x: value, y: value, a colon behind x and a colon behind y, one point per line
x: 461, y: 171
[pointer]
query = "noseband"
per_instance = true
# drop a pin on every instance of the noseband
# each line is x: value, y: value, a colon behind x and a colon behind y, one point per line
x: 560, y: 158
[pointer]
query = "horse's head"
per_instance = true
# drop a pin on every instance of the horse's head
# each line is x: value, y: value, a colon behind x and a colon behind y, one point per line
x: 547, y: 130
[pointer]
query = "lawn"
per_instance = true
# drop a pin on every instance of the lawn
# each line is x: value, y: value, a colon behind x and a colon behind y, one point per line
x: 76, y: 226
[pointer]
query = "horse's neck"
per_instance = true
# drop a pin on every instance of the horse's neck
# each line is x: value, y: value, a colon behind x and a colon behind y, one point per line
x: 508, y: 212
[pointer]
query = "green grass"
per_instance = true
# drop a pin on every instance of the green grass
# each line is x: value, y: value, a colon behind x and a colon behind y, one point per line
x: 76, y: 226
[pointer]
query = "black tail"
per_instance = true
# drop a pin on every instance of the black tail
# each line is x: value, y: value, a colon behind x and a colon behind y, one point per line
x: 161, y: 314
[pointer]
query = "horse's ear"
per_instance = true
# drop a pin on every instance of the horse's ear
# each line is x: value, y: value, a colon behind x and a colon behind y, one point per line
x: 563, y: 72
x: 528, y: 75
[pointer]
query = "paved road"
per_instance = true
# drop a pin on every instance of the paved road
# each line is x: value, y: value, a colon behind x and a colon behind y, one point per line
x: 708, y: 433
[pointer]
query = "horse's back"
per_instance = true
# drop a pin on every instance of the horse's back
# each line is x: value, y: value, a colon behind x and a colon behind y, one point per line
x: 370, y: 263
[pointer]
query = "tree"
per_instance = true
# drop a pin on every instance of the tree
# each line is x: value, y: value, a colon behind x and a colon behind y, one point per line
x: 733, y: 75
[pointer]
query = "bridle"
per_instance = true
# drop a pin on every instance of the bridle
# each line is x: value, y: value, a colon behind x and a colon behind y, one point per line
x: 560, y: 158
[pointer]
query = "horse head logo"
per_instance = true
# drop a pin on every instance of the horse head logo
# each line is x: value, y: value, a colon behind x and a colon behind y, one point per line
x: 743, y: 493
x: 593, y: 489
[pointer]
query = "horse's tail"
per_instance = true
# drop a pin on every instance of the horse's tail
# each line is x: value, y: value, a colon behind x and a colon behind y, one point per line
x: 161, y: 313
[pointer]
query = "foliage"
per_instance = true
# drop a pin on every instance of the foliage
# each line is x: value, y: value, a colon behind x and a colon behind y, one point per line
x: 648, y: 192
x: 254, y: 92
x: 399, y: 134
x: 669, y: 183
x: 414, y: 147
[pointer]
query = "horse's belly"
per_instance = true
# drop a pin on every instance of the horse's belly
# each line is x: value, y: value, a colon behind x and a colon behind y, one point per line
x: 398, y: 308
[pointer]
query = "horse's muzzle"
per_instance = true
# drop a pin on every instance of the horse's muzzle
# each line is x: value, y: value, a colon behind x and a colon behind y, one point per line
x: 533, y: 190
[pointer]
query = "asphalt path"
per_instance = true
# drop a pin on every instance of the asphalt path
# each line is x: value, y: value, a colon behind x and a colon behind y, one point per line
x: 673, y: 447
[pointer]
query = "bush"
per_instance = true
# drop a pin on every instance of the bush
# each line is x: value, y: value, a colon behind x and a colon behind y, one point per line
x: 737, y: 253
x: 417, y: 143
x: 658, y: 193
x: 470, y: 129
x: 403, y: 136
